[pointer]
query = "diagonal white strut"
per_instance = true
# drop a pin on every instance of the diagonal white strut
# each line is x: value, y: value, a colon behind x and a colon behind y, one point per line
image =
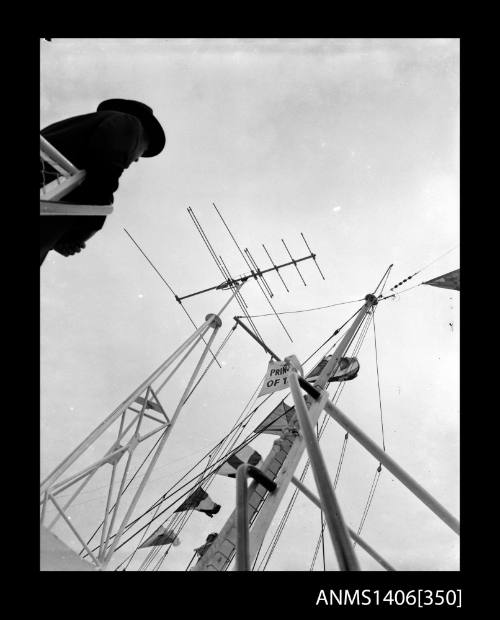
x: 390, y: 464
x: 362, y: 543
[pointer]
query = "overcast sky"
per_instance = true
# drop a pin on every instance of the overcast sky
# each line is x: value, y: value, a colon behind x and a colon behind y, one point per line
x: 353, y: 142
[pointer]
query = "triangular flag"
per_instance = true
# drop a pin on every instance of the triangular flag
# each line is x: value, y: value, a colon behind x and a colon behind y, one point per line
x: 280, y: 418
x: 246, y: 455
x: 162, y: 536
x: 199, y: 500
x: 449, y: 280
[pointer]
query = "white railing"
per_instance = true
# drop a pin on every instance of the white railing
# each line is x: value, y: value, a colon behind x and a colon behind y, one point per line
x: 69, y: 177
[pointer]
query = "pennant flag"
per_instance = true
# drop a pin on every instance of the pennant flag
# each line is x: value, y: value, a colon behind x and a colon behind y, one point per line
x: 245, y: 455
x: 347, y: 369
x: 162, y: 536
x: 210, y: 539
x: 448, y: 280
x: 199, y: 500
x: 280, y: 418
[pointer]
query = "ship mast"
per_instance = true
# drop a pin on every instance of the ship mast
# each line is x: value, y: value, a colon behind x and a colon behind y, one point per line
x: 279, y: 466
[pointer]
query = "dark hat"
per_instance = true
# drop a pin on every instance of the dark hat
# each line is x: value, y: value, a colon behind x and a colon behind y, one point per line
x: 144, y: 113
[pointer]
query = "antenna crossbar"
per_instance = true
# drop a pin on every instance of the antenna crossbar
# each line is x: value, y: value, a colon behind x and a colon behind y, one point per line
x: 232, y: 282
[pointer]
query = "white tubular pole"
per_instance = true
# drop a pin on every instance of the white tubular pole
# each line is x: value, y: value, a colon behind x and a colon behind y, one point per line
x: 57, y: 189
x: 44, y: 507
x: 163, y: 426
x: 97, y: 432
x: 333, y: 515
x: 107, y: 511
x: 55, y: 207
x: 364, y: 545
x: 64, y: 484
x: 175, y: 368
x: 392, y: 466
x: 55, y: 158
x: 102, y: 552
x: 163, y: 439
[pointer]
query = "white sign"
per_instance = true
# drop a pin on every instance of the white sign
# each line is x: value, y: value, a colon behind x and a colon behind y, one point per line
x: 276, y: 377
x: 277, y: 374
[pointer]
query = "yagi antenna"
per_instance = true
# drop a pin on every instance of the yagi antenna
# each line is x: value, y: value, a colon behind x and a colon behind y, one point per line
x: 255, y: 271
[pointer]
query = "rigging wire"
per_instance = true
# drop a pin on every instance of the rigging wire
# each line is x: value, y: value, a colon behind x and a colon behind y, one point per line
x: 341, y: 460
x: 379, y: 468
x: 170, y: 526
x: 316, y: 549
x: 370, y: 499
x: 214, y: 450
x: 423, y: 268
x: 337, y: 331
x: 251, y: 437
x: 342, y: 303
x: 121, y: 495
x: 215, y: 466
x: 322, y: 521
x: 383, y: 279
x: 149, y: 261
x: 202, y: 375
x: 286, y: 515
x: 149, y: 453
x: 395, y: 295
x: 156, y: 505
x: 439, y: 258
x: 378, y: 384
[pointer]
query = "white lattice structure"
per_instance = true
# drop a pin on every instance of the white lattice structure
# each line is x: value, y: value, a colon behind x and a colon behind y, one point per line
x: 58, y: 181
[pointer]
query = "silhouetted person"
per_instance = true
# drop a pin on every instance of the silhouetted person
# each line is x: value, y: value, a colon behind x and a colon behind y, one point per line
x: 103, y: 143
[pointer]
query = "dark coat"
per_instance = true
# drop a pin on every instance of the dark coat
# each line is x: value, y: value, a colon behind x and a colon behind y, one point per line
x: 103, y: 144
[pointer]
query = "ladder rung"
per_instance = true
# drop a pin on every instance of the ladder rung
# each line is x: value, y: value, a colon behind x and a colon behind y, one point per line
x: 51, y: 207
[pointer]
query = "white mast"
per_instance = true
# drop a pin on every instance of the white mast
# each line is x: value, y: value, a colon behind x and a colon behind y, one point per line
x: 279, y: 466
